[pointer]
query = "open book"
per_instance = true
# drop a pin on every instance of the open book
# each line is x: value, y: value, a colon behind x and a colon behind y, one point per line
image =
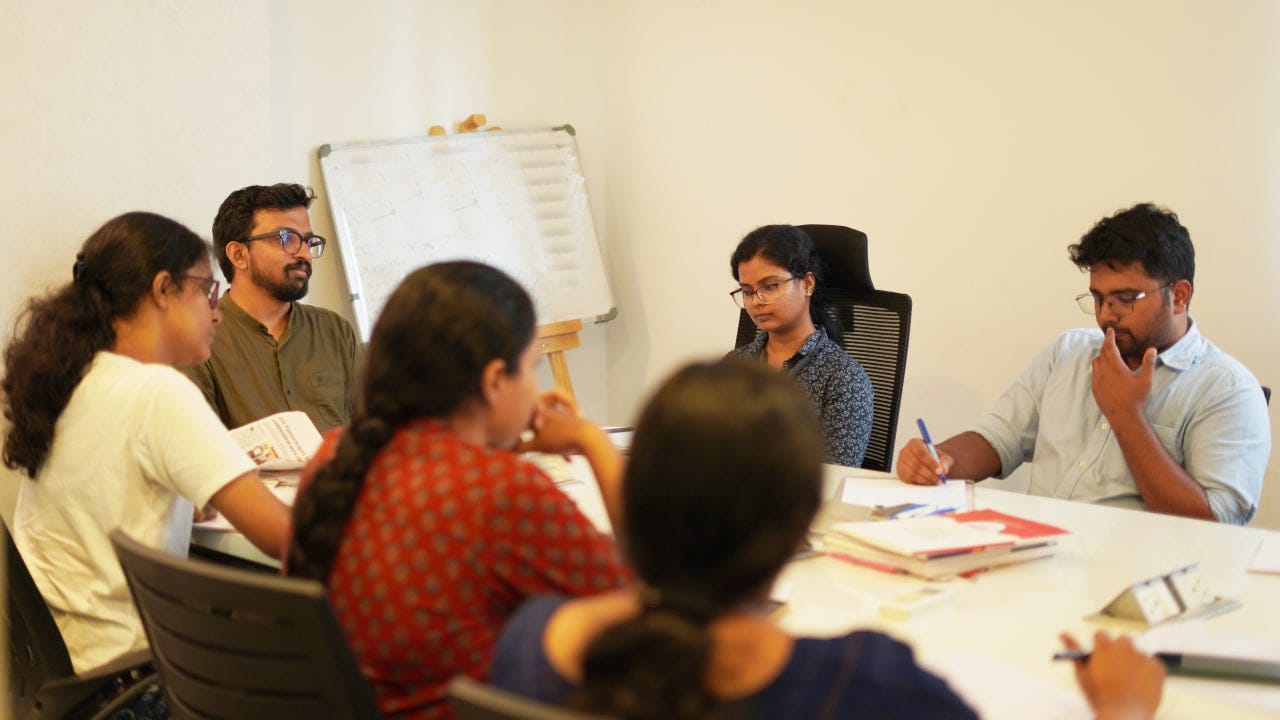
x: 942, y: 545
x: 284, y: 441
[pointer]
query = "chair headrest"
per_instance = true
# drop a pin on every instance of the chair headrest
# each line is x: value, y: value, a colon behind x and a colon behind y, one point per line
x: 844, y: 251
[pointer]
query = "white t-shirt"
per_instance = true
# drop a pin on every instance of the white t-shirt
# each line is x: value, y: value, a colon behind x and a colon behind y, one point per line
x: 136, y: 445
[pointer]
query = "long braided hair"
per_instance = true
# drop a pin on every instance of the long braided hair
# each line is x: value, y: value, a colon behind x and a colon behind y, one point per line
x: 437, y: 332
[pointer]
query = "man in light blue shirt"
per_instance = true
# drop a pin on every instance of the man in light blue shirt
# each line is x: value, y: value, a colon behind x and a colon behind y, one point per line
x: 1143, y: 413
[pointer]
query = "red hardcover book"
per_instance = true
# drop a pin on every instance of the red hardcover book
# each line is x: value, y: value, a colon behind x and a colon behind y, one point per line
x: 1027, y: 531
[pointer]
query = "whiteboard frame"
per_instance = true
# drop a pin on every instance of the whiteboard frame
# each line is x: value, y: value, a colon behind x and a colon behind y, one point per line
x: 345, y: 234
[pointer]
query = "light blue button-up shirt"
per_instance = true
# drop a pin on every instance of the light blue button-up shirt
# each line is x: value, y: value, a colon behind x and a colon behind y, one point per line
x: 1207, y: 409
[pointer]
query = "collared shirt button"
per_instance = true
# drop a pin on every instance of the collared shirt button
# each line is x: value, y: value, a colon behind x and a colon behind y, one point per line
x: 1105, y: 426
x: 1084, y: 464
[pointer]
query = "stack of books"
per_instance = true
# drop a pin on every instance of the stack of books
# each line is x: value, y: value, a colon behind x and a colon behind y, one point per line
x: 942, y: 545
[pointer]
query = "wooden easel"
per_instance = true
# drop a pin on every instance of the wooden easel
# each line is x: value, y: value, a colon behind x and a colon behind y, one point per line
x: 553, y: 340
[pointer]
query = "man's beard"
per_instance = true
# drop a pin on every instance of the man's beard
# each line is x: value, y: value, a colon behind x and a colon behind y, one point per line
x: 1128, y: 345
x: 285, y: 289
x: 1132, y: 347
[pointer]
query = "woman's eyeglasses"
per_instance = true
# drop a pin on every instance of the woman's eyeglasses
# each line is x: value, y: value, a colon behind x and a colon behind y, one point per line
x: 209, y: 287
x: 764, y: 294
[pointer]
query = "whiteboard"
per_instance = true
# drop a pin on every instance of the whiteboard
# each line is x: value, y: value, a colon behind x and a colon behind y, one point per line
x: 514, y: 199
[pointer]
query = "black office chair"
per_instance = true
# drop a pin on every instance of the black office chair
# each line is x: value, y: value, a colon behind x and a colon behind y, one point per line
x: 473, y: 700
x: 231, y: 643
x: 877, y: 327
x: 42, y: 683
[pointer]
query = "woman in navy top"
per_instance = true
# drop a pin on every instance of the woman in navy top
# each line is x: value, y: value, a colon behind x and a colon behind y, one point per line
x: 724, y: 478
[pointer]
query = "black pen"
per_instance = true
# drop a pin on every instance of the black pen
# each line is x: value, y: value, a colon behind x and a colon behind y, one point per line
x: 1206, y: 665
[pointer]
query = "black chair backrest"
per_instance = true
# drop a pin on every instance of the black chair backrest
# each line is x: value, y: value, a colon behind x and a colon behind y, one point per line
x: 473, y: 700
x: 877, y: 328
x: 37, y: 653
x: 232, y: 643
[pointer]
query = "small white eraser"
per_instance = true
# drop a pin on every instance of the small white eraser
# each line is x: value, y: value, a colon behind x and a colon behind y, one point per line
x: 909, y: 605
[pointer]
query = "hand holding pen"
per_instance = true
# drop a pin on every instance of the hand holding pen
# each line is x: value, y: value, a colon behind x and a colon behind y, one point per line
x: 920, y: 463
x: 1117, y: 679
x: 933, y: 452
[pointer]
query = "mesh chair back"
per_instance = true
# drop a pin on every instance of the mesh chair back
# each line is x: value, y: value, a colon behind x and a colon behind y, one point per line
x: 877, y: 328
x: 37, y: 653
x: 473, y: 700
x: 231, y: 643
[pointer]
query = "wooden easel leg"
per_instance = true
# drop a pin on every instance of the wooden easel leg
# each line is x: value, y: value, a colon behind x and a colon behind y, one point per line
x: 560, y: 372
x: 553, y: 340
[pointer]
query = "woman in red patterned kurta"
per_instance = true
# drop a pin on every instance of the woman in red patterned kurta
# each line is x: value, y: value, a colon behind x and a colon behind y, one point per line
x: 428, y: 530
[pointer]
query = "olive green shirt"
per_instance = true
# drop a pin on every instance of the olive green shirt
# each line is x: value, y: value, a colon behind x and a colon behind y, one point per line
x: 249, y: 376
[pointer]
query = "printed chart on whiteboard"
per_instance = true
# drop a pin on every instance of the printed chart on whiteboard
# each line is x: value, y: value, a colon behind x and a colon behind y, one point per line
x: 515, y: 199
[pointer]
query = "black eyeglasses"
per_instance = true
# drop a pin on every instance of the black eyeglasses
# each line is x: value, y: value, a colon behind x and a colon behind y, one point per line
x: 210, y: 289
x: 1121, y: 303
x: 764, y: 294
x: 291, y: 240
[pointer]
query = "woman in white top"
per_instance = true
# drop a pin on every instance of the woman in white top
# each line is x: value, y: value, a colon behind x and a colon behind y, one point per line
x: 109, y: 435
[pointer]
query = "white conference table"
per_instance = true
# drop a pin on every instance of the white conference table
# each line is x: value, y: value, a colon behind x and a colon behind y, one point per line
x: 994, y: 640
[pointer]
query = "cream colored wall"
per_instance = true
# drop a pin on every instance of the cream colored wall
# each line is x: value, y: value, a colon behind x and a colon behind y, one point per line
x: 972, y: 142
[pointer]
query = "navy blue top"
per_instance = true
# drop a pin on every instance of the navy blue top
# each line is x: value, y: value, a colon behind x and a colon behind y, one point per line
x: 860, y: 675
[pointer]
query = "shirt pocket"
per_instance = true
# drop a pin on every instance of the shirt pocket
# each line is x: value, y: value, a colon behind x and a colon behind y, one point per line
x: 329, y: 393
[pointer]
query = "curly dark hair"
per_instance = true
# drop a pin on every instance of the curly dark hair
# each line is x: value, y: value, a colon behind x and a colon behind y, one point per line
x: 1144, y: 233
x: 56, y: 336
x: 428, y: 349
x: 234, y: 220
x: 787, y: 246
x: 724, y: 478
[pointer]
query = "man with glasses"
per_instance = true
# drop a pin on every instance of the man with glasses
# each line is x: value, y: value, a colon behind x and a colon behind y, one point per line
x: 1144, y: 412
x: 272, y: 353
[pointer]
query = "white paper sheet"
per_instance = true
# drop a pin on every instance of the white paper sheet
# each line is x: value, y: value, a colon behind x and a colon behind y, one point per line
x: 890, y: 491
x: 998, y: 691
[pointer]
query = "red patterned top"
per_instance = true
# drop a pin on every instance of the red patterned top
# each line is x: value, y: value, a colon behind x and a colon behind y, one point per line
x: 445, y: 541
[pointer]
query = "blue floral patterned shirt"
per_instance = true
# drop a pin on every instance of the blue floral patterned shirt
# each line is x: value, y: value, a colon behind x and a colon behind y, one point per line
x: 838, y: 387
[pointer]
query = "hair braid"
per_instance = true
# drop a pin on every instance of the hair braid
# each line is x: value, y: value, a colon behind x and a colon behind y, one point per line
x: 320, y: 515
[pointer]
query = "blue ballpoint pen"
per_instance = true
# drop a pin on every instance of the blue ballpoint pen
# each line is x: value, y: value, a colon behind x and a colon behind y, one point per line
x: 928, y: 443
